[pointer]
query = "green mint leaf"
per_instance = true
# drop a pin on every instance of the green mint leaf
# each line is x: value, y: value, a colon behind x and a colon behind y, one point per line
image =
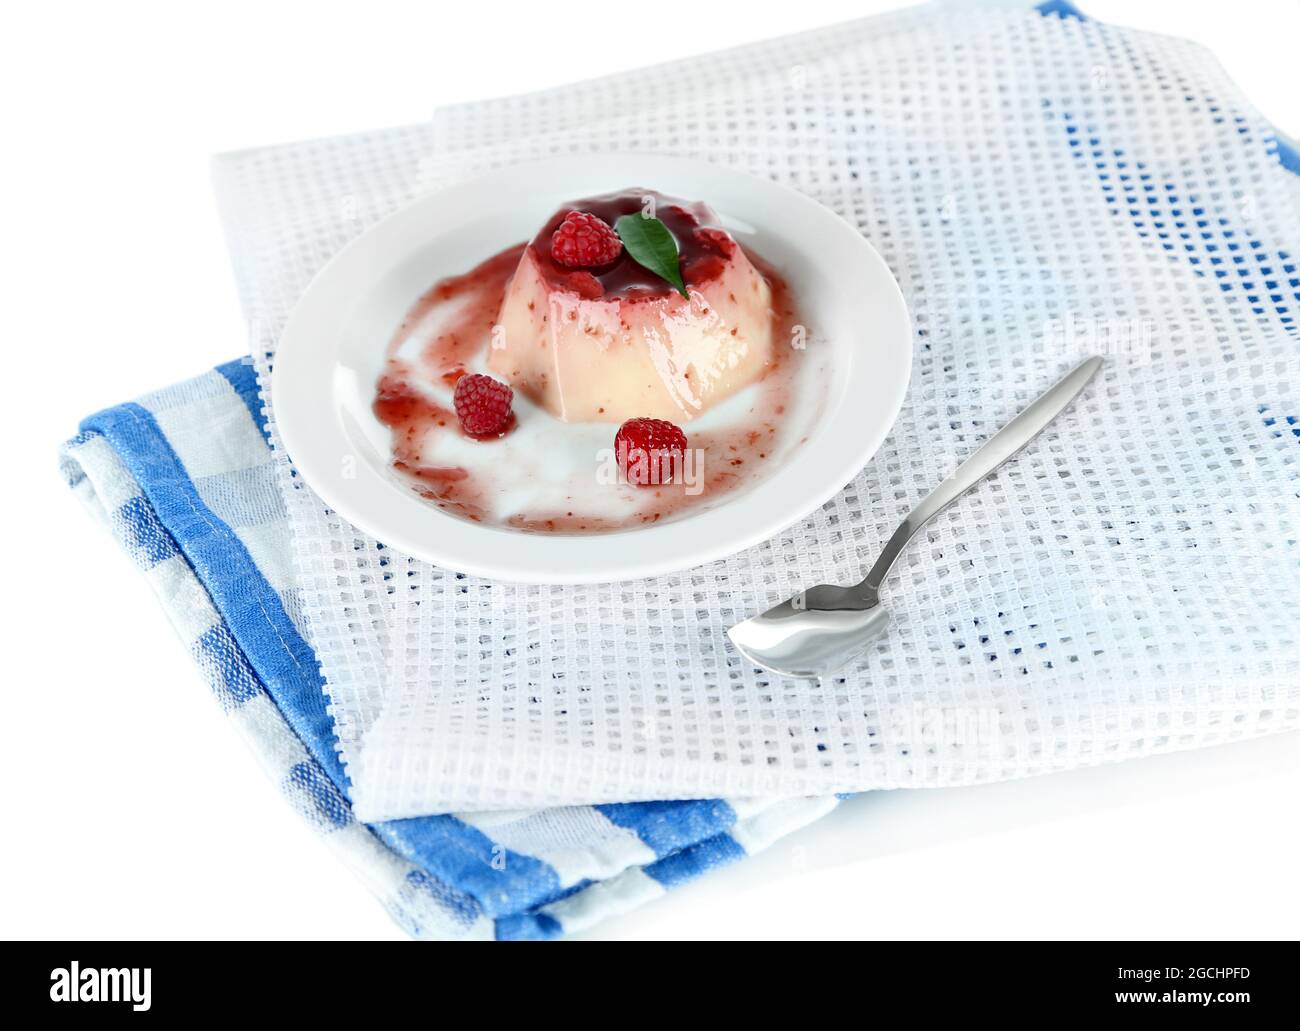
x: 652, y: 246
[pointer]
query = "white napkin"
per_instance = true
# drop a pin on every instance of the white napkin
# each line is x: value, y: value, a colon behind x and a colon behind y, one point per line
x: 1043, y: 189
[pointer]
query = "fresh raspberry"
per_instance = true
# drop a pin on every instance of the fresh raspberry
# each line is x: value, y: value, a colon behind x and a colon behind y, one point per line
x: 584, y: 241
x: 483, y: 405
x: 649, y: 451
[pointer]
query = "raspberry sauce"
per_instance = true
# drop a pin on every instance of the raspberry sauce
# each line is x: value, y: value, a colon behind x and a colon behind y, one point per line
x: 545, y: 475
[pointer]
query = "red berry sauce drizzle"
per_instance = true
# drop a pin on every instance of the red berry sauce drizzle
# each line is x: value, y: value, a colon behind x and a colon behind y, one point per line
x: 447, y: 333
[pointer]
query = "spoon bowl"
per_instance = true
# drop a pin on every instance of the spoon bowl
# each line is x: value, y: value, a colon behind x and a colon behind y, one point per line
x: 799, y: 642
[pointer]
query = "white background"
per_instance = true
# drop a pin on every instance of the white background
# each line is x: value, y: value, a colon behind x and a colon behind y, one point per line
x: 133, y: 811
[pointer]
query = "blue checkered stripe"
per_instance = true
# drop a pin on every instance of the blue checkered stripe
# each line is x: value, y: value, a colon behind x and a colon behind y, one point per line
x: 185, y: 481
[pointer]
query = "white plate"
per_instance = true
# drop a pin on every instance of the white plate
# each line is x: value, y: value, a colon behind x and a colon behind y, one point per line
x: 333, y: 350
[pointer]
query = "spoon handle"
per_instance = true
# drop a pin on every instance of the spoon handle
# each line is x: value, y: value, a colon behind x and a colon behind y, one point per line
x: 999, y: 448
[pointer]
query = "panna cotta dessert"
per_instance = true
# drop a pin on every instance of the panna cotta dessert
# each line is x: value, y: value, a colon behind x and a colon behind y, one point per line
x: 629, y: 363
x: 592, y: 335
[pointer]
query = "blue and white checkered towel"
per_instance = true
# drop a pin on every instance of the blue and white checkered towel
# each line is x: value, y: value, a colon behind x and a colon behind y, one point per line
x: 183, y: 479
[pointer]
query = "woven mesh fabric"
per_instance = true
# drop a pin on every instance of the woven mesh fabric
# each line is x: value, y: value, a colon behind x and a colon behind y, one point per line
x: 1043, y: 189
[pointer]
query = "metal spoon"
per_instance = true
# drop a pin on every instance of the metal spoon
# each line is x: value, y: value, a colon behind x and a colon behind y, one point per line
x: 819, y: 630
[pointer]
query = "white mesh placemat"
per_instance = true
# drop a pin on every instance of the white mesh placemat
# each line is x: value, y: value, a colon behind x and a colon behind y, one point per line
x: 1043, y: 189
